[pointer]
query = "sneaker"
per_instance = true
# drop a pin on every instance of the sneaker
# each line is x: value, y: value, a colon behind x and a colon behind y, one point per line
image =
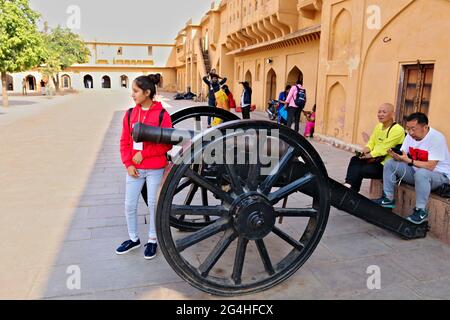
x: 128, y: 246
x: 385, y: 202
x: 150, y: 251
x: 419, y: 216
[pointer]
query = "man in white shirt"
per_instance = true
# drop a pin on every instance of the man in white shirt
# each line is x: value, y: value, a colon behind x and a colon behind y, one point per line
x: 424, y: 162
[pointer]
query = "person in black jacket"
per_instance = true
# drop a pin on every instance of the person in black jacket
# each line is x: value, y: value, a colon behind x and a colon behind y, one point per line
x: 246, y: 100
x: 212, y: 80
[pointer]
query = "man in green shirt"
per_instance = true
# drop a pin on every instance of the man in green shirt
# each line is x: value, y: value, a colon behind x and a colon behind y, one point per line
x: 369, y: 163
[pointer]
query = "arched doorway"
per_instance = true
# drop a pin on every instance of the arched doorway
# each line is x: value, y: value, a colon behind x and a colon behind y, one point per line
x: 66, y: 82
x: 106, y: 82
x: 88, y: 82
x: 294, y: 75
x: 123, y: 81
x: 31, y: 83
x: 271, y: 85
x: 9, y: 83
x: 248, y: 77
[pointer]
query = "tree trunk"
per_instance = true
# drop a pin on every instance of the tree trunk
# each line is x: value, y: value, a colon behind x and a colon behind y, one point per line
x: 56, y: 82
x: 4, y: 90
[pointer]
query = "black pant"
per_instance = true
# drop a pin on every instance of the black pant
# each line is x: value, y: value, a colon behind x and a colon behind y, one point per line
x: 294, y: 116
x: 359, y: 169
x: 246, y: 112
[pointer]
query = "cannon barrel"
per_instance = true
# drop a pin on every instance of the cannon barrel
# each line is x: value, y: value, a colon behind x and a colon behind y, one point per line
x: 142, y: 132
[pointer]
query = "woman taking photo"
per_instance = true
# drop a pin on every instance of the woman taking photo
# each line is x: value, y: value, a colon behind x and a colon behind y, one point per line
x: 246, y: 100
x: 145, y: 162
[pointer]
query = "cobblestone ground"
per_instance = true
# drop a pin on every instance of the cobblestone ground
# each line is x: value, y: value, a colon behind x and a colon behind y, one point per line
x: 61, y: 205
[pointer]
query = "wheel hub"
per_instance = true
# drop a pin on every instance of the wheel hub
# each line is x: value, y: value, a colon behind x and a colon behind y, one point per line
x: 253, y: 217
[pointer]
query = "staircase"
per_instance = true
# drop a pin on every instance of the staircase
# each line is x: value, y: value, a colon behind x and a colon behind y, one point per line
x: 206, y: 60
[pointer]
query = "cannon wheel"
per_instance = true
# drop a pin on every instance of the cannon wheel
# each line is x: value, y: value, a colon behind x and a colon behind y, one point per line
x: 181, y: 222
x: 246, y: 217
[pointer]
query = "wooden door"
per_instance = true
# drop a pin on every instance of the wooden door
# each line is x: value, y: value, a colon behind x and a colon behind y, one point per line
x: 415, y: 86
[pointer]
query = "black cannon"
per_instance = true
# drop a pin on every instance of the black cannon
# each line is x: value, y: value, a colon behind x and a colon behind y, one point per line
x: 271, y: 197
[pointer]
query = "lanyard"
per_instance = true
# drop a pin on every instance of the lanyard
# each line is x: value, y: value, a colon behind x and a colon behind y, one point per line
x: 145, y: 117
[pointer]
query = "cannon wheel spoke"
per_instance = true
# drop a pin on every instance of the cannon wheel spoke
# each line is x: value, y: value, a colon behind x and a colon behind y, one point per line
x: 234, y: 179
x: 290, y: 188
x: 217, y: 252
x: 186, y: 183
x: 206, y: 211
x: 205, y: 202
x: 296, y: 244
x: 296, y: 212
x: 204, y: 183
x: 239, y: 260
x: 253, y: 175
x: 189, y: 197
x: 202, y: 234
x: 265, y: 256
x: 268, y: 183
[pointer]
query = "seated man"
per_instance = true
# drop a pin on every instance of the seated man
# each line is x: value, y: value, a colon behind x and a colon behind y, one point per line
x: 369, y: 163
x: 424, y: 163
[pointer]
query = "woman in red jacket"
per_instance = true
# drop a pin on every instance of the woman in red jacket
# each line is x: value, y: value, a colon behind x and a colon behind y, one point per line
x: 145, y: 162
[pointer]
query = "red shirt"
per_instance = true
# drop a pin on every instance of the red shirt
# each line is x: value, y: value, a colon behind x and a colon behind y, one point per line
x: 154, y: 155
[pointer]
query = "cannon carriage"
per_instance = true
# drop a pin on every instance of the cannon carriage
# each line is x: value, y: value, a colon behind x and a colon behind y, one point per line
x: 264, y: 204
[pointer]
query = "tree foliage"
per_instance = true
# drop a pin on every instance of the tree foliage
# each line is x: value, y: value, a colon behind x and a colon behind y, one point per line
x: 63, y: 48
x: 21, y: 43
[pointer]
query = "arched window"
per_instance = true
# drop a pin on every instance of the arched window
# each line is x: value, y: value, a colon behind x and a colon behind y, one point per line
x: 66, y: 81
x: 271, y: 85
x: 106, y: 82
x: 258, y: 72
x: 31, y: 83
x: 9, y: 83
x: 248, y: 77
x: 294, y: 75
x: 123, y: 81
x: 88, y: 81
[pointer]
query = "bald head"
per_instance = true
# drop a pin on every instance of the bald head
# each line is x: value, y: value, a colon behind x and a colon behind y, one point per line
x: 386, y: 113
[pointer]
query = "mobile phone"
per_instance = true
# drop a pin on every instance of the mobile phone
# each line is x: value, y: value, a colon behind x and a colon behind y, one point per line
x: 397, y: 151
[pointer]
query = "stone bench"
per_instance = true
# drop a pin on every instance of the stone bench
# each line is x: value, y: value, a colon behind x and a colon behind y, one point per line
x: 438, y: 208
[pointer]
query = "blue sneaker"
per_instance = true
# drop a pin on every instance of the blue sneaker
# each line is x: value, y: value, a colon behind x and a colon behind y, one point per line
x: 385, y: 202
x: 150, y: 251
x: 419, y: 216
x: 128, y: 246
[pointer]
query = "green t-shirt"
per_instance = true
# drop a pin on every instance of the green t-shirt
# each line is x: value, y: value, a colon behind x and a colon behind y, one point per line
x: 380, y: 142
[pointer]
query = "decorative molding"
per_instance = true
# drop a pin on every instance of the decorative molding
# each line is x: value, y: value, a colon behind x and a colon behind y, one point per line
x: 300, y: 37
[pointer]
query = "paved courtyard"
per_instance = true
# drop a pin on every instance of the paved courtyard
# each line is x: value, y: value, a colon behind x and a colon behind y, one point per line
x: 61, y: 206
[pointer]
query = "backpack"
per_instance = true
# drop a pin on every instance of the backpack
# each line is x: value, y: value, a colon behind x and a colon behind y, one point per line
x: 300, y: 98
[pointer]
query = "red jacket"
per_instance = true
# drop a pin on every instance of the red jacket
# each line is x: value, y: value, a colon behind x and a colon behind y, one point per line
x: 154, y: 154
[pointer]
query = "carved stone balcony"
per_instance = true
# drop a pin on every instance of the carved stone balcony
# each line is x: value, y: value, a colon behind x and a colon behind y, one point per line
x: 309, y: 8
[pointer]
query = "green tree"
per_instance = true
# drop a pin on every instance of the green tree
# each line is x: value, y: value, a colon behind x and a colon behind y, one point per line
x: 21, y: 43
x: 63, y: 49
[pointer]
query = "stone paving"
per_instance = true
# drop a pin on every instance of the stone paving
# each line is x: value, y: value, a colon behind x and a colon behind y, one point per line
x: 90, y: 223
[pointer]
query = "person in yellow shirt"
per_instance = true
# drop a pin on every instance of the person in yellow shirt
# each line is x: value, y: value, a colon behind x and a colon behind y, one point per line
x: 222, y: 102
x: 369, y: 163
